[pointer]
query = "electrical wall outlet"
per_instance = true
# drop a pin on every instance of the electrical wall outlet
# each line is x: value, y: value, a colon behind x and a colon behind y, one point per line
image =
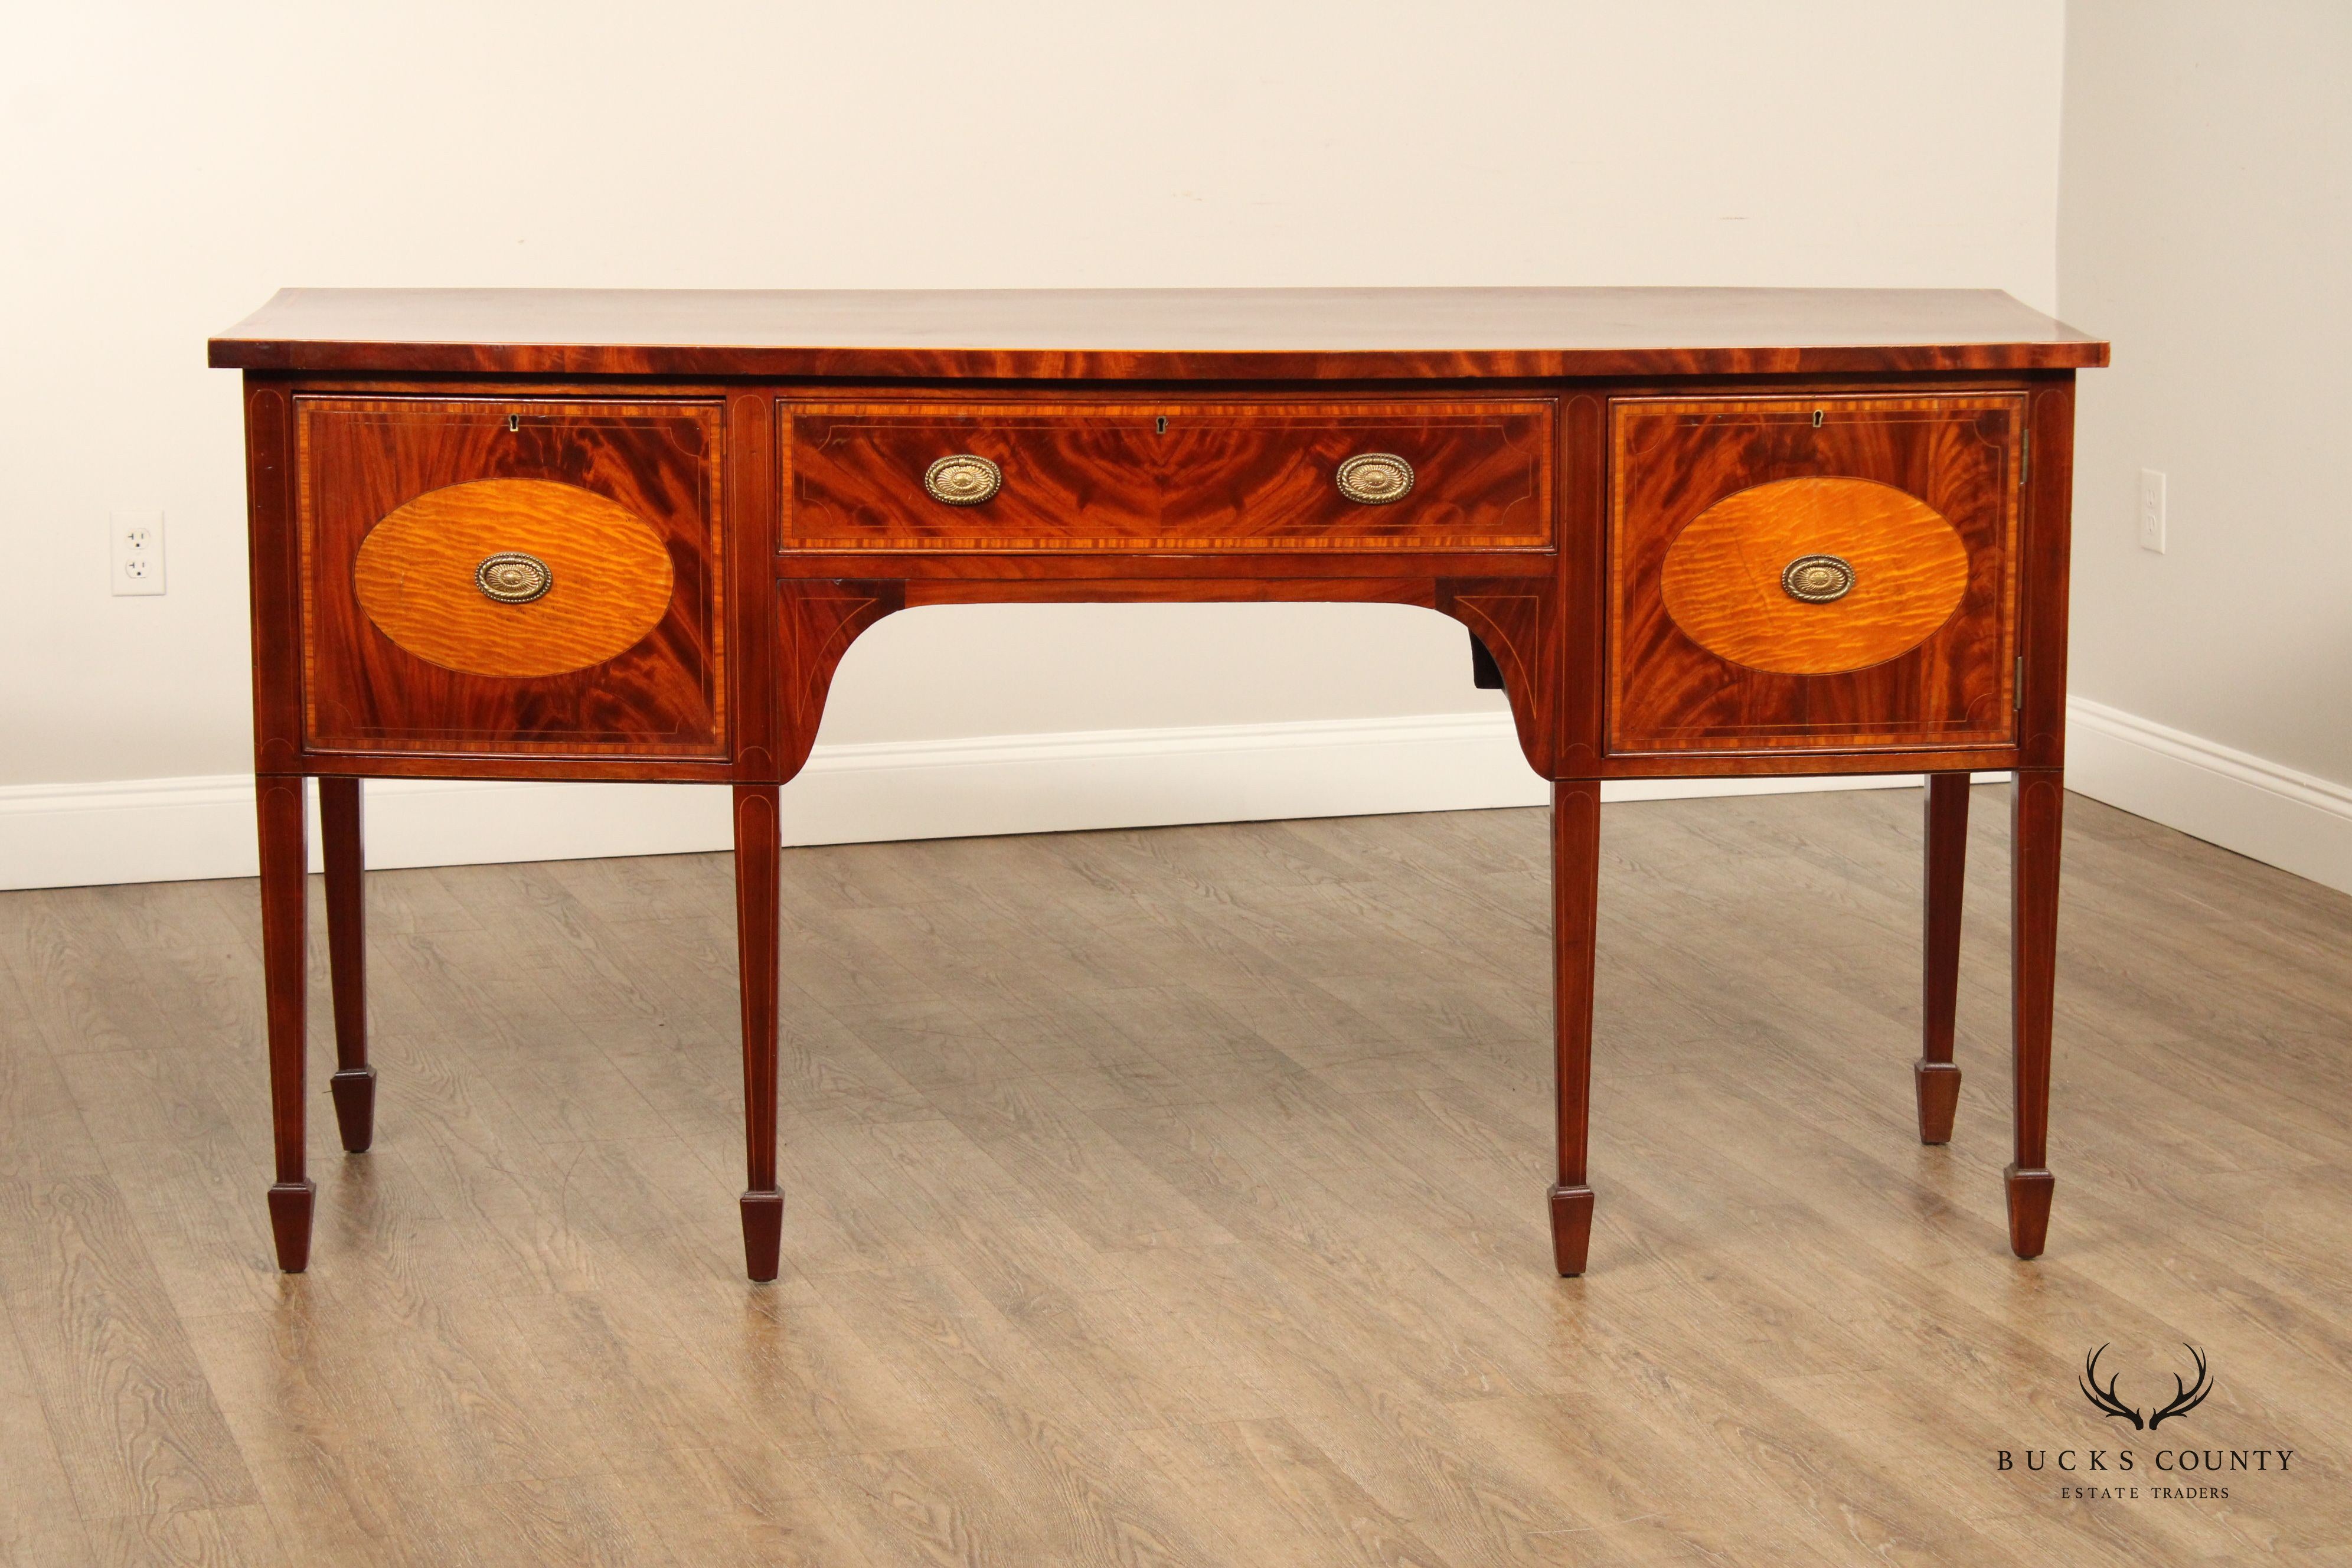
x: 136, y: 552
x: 2151, y: 511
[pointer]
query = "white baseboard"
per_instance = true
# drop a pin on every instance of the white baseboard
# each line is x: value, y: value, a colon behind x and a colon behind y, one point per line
x: 152, y: 830
x: 171, y: 829
x: 2295, y: 821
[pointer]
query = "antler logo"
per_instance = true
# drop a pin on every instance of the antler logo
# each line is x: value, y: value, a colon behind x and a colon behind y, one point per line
x: 2186, y: 1397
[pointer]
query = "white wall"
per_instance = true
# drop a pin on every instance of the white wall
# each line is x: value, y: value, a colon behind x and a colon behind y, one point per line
x: 168, y: 165
x: 2205, y: 227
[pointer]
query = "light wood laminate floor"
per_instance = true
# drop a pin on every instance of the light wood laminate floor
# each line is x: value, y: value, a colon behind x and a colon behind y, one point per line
x: 1177, y: 1197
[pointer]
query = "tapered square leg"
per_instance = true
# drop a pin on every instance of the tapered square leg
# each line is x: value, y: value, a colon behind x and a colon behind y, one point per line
x: 340, y: 846
x: 285, y: 864
x: 2037, y: 812
x: 1576, y: 897
x: 758, y: 872
x: 1935, y: 1080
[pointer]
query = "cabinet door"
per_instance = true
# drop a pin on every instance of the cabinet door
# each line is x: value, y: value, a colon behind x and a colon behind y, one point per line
x: 1822, y: 573
x: 511, y: 577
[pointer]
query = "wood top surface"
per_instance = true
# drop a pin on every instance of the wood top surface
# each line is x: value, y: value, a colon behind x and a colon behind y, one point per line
x: 1153, y: 333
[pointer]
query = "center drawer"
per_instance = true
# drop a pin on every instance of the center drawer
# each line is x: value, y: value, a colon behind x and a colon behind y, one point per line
x: 1430, y: 474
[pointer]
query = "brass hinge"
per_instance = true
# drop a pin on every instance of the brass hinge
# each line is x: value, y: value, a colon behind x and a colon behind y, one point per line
x: 2024, y: 455
x: 2016, y: 691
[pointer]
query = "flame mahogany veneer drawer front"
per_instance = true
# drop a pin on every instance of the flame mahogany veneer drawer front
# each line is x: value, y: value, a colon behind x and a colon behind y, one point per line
x: 511, y: 577
x: 1206, y: 476
x: 1825, y: 574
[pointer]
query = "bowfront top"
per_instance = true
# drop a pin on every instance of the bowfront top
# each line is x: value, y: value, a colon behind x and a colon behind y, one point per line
x: 1153, y: 333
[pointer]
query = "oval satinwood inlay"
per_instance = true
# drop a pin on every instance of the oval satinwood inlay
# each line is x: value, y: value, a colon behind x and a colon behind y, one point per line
x: 1902, y: 567
x: 607, y: 574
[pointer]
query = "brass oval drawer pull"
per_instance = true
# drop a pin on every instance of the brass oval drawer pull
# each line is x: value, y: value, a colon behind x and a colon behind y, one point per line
x: 1375, y: 478
x: 964, y: 479
x: 513, y: 578
x: 1818, y: 579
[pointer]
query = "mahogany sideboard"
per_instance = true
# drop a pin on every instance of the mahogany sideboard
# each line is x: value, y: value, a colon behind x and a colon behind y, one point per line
x: 567, y: 534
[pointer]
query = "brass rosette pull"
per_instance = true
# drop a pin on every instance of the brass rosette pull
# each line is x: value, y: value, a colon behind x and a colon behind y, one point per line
x: 964, y: 479
x: 1818, y: 579
x: 513, y: 578
x: 1375, y: 478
